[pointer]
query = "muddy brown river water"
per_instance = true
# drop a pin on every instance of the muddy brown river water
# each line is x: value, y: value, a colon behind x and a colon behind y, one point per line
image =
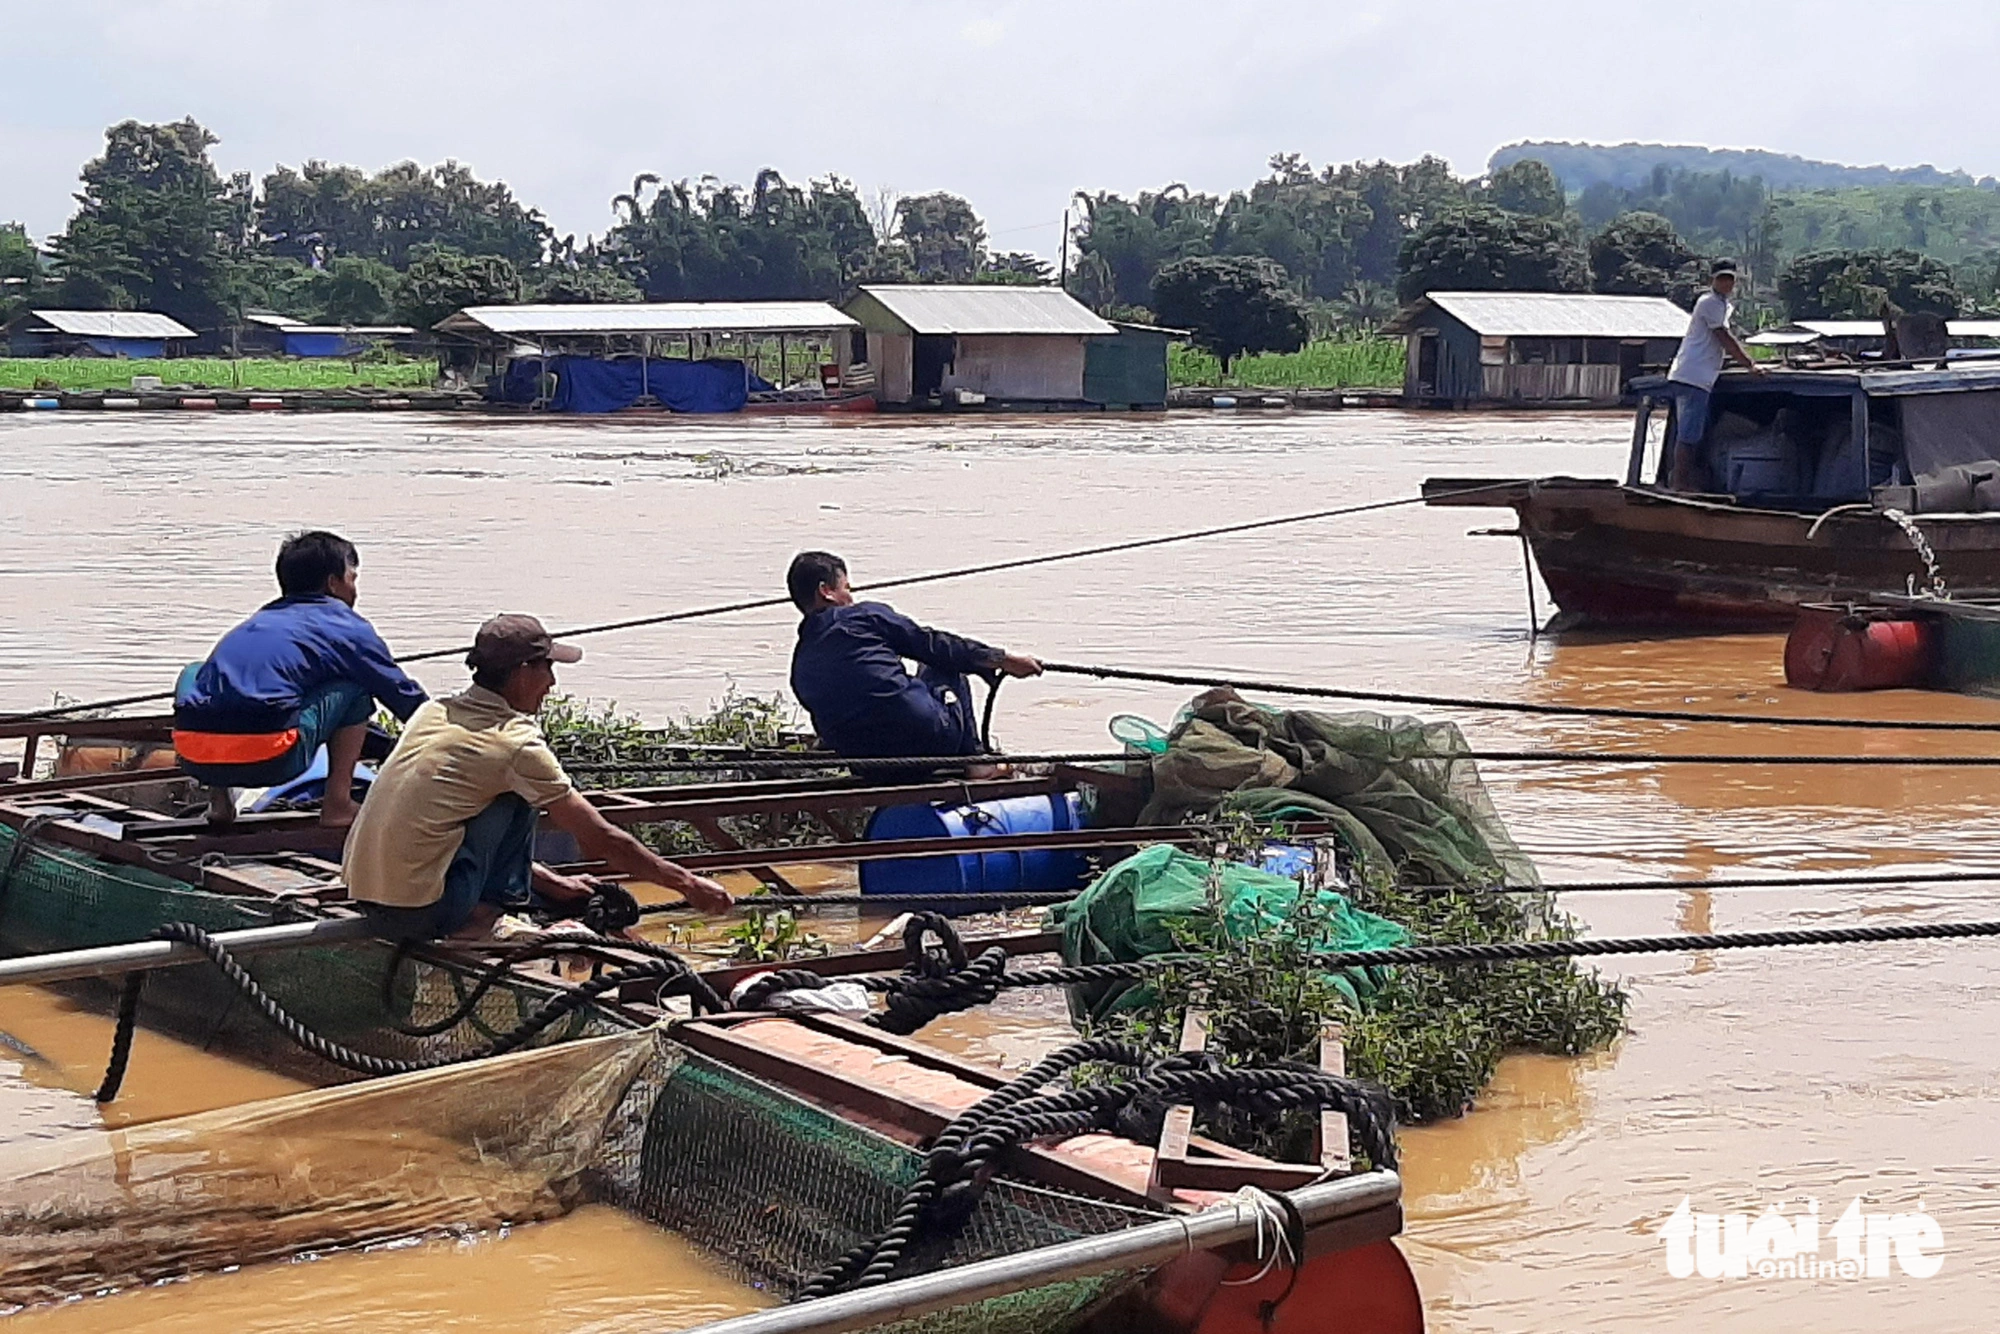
x: 1749, y: 1078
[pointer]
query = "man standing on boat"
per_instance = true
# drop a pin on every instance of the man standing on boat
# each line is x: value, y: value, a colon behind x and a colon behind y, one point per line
x: 848, y: 670
x: 303, y: 672
x: 445, y: 842
x: 1706, y: 346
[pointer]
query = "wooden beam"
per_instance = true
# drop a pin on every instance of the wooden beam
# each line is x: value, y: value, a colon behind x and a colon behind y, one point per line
x: 1330, y: 1137
x: 154, y: 727
x: 1178, y: 1123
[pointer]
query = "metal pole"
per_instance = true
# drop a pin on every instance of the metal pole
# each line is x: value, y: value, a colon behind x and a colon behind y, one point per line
x: 1528, y: 572
x: 1063, y: 280
x: 108, y: 960
x: 1147, y: 1244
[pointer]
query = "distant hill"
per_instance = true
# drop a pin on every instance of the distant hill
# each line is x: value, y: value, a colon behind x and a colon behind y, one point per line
x: 1627, y: 166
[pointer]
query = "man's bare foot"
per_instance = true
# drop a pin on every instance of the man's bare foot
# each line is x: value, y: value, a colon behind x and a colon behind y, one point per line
x: 338, y: 814
x: 984, y: 771
x: 480, y: 925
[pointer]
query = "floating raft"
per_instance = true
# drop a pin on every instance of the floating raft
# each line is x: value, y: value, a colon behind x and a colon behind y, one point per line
x: 240, y: 400
x: 775, y: 1143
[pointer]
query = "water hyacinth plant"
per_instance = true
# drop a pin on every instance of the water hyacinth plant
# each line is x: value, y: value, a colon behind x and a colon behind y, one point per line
x: 606, y: 748
x: 1432, y: 1036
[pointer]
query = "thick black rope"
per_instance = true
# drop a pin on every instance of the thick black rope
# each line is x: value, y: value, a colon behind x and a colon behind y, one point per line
x: 30, y: 830
x: 929, y: 988
x: 965, y: 1154
x: 1503, y: 705
x: 597, y: 948
x: 998, y: 899
x: 993, y: 684
x: 815, y: 763
x: 121, y: 1037
x: 906, y: 581
x: 930, y: 762
x: 675, y: 975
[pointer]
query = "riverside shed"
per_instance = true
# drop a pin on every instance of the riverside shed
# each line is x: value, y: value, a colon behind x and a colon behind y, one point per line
x: 992, y: 343
x: 100, y: 333
x: 1469, y: 347
x: 1128, y: 369
x: 295, y: 338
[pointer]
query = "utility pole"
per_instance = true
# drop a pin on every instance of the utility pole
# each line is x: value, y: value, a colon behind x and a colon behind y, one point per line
x: 1062, y: 274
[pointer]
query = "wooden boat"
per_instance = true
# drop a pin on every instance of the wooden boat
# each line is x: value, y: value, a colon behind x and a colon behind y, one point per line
x: 1805, y: 466
x: 731, y: 1114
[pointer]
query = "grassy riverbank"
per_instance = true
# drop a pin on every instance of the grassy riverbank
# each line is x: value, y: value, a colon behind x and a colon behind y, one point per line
x: 1348, y: 363
x: 81, y: 374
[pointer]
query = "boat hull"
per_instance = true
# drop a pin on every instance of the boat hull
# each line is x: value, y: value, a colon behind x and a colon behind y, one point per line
x: 1619, y: 556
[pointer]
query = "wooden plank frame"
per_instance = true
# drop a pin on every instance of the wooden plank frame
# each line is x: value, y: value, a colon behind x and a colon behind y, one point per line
x: 1176, y: 1168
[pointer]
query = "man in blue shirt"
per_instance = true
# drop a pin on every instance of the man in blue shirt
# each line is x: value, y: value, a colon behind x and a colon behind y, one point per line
x: 848, y: 671
x: 302, y: 672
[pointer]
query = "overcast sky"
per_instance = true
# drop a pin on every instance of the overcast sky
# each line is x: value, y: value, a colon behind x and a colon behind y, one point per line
x: 1013, y: 105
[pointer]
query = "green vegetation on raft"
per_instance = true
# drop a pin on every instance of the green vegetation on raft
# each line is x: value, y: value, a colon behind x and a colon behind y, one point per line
x: 619, y: 748
x: 86, y: 374
x: 1333, y: 363
x: 1431, y: 1036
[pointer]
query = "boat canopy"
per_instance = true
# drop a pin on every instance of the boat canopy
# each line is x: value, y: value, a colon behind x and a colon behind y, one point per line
x: 1811, y: 439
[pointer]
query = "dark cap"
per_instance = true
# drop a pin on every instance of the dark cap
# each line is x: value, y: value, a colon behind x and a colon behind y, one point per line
x: 1722, y: 266
x: 508, y: 641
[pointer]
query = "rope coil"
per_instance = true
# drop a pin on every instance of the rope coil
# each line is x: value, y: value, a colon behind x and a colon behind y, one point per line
x: 676, y: 978
x: 965, y: 1153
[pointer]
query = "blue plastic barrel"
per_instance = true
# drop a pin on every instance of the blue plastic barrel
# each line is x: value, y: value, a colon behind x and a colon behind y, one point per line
x: 977, y: 873
x: 310, y: 785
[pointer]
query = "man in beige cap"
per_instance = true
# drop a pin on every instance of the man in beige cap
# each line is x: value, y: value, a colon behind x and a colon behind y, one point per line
x: 445, y: 841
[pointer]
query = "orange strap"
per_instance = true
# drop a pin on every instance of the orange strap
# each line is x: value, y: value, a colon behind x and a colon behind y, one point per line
x: 233, y: 747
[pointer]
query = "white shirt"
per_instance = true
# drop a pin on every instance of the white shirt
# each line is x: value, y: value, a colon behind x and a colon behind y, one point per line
x: 1702, y: 355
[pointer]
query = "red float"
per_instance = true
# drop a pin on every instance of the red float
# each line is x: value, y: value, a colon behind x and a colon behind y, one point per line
x: 1841, y: 648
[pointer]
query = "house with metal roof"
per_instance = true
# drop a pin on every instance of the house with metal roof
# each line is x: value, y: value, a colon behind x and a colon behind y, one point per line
x: 659, y: 354
x: 94, y: 333
x: 285, y: 336
x: 980, y: 343
x: 640, y: 319
x: 1533, y: 347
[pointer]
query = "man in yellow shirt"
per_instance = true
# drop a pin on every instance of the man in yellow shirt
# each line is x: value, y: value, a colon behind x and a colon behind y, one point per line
x: 445, y: 841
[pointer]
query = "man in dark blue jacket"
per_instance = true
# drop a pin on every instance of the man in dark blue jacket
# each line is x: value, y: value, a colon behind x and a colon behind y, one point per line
x: 302, y: 672
x: 848, y: 670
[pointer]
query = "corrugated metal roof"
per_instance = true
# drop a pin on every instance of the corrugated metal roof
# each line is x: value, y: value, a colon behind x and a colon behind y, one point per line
x: 1844, y: 328
x: 640, y: 317
x: 1554, y: 315
x: 286, y: 324
x: 1782, y: 338
x: 987, y: 308
x: 113, y: 324
x: 1811, y: 331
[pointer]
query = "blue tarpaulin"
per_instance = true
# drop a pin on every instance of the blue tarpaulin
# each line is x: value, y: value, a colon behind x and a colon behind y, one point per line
x: 589, y: 384
x: 324, y: 345
x: 127, y: 347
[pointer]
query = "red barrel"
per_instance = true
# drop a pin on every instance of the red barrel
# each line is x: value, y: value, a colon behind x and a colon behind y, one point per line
x: 1841, y: 648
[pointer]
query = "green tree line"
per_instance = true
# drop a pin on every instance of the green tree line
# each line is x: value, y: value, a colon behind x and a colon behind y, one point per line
x: 1303, y: 252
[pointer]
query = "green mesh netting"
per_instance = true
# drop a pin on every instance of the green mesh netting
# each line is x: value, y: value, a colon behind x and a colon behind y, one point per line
x: 1407, y: 805
x: 59, y: 898
x: 780, y: 1189
x: 1130, y: 913
x: 769, y: 1184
